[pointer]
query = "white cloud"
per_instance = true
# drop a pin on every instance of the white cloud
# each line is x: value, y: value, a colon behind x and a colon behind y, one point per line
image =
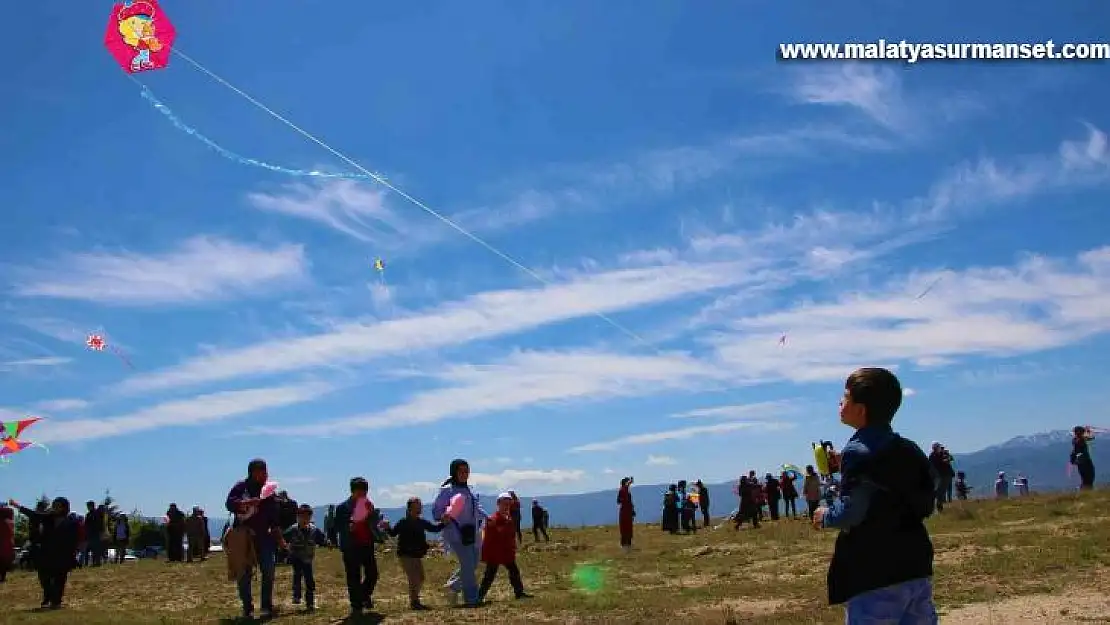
x: 877, y: 91
x: 651, y: 438
x: 45, y: 361
x: 608, y: 471
x: 482, y: 316
x: 360, y: 210
x: 357, y: 210
x: 62, y: 405
x: 202, y: 269
x: 1077, y: 163
x: 874, y: 90
x: 1036, y: 305
x: 203, y: 409
x: 660, y: 461
x: 750, y: 263
x: 515, y: 479
x: 909, y: 392
x: 526, y: 379
x: 741, y: 411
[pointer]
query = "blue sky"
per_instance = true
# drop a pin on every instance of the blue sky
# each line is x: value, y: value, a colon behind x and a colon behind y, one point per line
x: 651, y: 161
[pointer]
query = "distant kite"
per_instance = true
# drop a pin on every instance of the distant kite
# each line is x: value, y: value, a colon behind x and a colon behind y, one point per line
x: 139, y: 36
x: 782, y: 340
x: 97, y: 343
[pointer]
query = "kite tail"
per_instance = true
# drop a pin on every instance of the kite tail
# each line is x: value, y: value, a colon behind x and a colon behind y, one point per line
x: 123, y: 357
x: 232, y: 156
x: 40, y: 446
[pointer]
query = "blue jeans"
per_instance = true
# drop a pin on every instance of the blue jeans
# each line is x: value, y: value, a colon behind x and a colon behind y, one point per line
x: 465, y: 578
x: 267, y: 554
x: 908, y: 603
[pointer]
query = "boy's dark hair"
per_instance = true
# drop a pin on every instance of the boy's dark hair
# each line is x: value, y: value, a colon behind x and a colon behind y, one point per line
x: 304, y: 508
x: 878, y: 391
x: 253, y: 465
x: 359, y: 483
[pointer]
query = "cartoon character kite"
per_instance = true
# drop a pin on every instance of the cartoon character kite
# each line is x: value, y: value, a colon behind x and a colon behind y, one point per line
x: 97, y: 343
x: 139, y: 36
x: 10, y: 431
x: 379, y: 266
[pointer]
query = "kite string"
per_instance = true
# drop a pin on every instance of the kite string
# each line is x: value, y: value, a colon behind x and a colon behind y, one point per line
x: 385, y: 183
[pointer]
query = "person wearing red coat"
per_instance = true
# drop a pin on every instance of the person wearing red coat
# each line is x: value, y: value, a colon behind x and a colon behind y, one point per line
x: 499, y: 548
x: 626, y: 513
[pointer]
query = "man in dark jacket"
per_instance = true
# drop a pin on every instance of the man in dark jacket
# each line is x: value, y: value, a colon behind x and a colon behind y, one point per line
x: 882, y: 563
x: 260, y: 516
x: 94, y: 531
x: 539, y: 521
x: 58, y: 548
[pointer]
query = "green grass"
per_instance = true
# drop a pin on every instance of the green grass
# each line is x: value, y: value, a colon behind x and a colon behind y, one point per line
x: 992, y: 553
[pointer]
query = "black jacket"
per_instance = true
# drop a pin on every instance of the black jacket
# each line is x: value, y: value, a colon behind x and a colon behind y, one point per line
x: 58, y: 539
x: 412, y: 541
x: 891, y: 545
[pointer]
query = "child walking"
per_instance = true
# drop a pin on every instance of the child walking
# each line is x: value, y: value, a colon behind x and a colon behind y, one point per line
x: 412, y: 546
x: 354, y: 521
x: 499, y: 549
x: 882, y: 564
x: 303, y: 538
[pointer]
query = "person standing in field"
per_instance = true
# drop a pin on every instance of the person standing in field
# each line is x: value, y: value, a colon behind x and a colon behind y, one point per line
x: 59, y: 542
x: 1081, y: 457
x: 626, y: 513
x: 258, y: 518
x: 412, y: 546
x: 882, y: 563
x: 354, y: 522
x: 460, y: 531
x: 303, y: 538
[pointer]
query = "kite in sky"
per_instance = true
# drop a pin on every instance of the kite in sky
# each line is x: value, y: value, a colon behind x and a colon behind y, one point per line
x: 139, y: 36
x: 97, y: 343
x: 782, y: 340
x: 10, y: 431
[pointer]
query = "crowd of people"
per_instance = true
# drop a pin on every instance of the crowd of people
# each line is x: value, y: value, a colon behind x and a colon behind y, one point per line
x: 468, y: 533
x: 885, y: 489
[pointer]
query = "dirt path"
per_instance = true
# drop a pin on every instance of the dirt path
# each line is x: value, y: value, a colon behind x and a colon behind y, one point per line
x: 1087, y: 607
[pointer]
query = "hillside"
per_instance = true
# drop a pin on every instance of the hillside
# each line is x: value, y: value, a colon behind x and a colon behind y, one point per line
x: 1036, y: 560
x: 1042, y: 457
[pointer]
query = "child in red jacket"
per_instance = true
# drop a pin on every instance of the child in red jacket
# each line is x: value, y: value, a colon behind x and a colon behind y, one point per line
x: 499, y: 548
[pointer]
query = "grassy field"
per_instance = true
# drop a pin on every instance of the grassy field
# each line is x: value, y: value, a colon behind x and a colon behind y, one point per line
x: 1044, y: 559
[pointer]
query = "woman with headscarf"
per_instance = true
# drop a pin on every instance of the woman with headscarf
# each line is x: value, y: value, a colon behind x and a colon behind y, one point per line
x: 457, y: 508
x: 626, y: 513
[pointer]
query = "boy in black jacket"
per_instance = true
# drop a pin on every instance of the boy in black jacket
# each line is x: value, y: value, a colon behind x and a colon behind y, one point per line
x: 412, y: 546
x: 356, y: 542
x: 882, y: 565
x: 58, y: 549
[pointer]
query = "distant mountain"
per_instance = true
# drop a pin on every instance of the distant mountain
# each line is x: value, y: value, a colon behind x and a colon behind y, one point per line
x: 1043, y: 458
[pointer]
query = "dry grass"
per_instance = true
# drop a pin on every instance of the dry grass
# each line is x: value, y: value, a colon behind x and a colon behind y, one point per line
x: 1040, y: 560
